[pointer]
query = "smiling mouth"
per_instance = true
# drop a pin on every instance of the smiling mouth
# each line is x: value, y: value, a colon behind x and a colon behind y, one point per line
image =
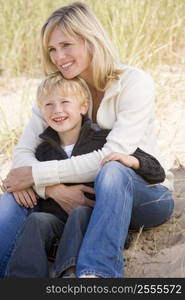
x: 66, y: 66
x: 59, y: 120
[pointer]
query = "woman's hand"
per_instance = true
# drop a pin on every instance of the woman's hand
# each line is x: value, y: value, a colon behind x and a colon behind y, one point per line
x: 127, y: 160
x: 70, y: 197
x: 27, y: 198
x: 18, y: 179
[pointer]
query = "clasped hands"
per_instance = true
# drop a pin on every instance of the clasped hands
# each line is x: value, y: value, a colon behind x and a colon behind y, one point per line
x: 19, y: 182
x: 18, y: 179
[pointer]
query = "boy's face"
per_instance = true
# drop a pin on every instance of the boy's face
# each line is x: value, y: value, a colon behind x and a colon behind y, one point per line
x: 63, y: 114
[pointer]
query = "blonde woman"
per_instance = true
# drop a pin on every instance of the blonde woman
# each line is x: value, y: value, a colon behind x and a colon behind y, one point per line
x: 75, y: 43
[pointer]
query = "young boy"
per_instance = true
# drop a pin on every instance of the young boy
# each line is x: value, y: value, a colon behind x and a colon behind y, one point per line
x: 64, y: 104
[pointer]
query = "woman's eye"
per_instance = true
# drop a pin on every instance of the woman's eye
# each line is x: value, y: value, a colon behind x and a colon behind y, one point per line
x: 48, y: 104
x: 51, y: 49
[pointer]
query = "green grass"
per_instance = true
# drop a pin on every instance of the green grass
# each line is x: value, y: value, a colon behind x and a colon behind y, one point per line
x: 147, y: 33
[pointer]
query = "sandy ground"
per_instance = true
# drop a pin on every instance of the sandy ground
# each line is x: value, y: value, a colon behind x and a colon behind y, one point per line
x: 158, y: 252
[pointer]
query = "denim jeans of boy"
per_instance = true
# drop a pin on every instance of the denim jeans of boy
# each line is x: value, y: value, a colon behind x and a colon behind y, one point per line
x: 123, y: 200
x: 12, y: 217
x: 29, y: 258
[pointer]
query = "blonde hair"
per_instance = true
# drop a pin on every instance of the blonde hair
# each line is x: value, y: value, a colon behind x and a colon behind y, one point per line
x: 66, y: 87
x: 78, y: 20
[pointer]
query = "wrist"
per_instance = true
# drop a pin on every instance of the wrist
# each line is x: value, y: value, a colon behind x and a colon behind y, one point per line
x: 135, y: 163
x: 31, y: 177
x: 49, y: 190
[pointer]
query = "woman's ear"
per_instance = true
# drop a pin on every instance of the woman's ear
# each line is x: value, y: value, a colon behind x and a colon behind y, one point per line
x: 85, y: 107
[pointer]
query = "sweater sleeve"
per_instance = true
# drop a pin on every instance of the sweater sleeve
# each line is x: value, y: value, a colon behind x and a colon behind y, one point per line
x: 134, y: 111
x: 24, y: 152
x: 149, y: 167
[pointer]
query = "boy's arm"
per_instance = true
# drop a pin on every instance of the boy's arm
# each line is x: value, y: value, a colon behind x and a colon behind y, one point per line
x: 149, y: 167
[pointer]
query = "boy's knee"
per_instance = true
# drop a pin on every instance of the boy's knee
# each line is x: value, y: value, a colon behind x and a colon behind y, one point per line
x: 38, y: 218
x: 80, y: 212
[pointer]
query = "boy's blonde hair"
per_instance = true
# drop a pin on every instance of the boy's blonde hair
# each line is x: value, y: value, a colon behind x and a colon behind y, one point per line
x: 75, y: 87
x: 78, y: 20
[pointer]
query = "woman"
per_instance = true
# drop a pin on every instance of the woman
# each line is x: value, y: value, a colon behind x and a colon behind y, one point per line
x: 74, y: 42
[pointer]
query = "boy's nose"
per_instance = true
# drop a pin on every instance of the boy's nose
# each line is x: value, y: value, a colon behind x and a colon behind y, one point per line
x: 57, y: 109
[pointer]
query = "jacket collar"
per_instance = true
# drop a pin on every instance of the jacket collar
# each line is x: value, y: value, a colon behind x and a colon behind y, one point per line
x: 51, y: 136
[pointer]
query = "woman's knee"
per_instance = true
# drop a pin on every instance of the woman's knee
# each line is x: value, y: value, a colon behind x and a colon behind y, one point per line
x: 113, y: 174
x: 153, y: 213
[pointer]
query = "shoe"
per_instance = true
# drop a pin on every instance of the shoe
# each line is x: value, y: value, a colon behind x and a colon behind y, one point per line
x: 89, y: 276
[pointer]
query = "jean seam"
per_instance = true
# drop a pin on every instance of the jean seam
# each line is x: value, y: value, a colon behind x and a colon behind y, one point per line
x: 13, y: 249
x: 129, y: 184
x: 61, y: 268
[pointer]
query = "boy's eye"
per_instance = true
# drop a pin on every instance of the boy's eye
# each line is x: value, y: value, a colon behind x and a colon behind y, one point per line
x: 48, y: 104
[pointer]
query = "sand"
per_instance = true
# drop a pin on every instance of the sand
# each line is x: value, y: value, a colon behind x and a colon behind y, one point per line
x: 160, y: 251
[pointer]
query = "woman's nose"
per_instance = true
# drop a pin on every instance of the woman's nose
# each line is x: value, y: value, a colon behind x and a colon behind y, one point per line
x: 60, y: 55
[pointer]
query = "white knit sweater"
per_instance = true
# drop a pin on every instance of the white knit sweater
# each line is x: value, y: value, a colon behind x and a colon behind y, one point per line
x: 127, y: 108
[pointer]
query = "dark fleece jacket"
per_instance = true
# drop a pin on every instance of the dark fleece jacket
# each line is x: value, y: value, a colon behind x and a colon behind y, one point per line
x: 88, y: 141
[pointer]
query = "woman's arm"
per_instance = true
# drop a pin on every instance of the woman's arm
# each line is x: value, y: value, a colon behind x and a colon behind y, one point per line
x: 134, y: 114
x: 144, y: 164
x: 24, y: 152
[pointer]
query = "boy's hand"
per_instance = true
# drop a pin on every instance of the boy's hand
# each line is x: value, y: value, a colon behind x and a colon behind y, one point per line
x: 26, y: 198
x: 127, y: 160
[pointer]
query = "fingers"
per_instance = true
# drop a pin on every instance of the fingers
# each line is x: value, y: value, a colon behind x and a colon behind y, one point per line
x: 25, y: 198
x: 3, y: 188
x: 33, y: 196
x: 3, y: 185
x: 109, y: 157
x: 16, y: 196
x: 89, y: 203
x: 88, y: 189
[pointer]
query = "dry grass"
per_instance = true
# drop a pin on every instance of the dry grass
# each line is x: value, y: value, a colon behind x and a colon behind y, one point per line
x: 148, y: 34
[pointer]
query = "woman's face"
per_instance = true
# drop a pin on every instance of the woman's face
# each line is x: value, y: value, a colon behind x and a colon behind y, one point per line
x: 71, y: 56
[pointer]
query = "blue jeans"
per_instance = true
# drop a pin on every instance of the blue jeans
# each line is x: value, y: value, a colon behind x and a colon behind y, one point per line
x: 12, y: 217
x: 29, y: 258
x: 123, y: 200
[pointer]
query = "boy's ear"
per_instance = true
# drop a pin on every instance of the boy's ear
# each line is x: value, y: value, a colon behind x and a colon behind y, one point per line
x: 85, y: 107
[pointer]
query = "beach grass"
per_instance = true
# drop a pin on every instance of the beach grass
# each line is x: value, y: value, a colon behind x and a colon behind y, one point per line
x: 148, y: 34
